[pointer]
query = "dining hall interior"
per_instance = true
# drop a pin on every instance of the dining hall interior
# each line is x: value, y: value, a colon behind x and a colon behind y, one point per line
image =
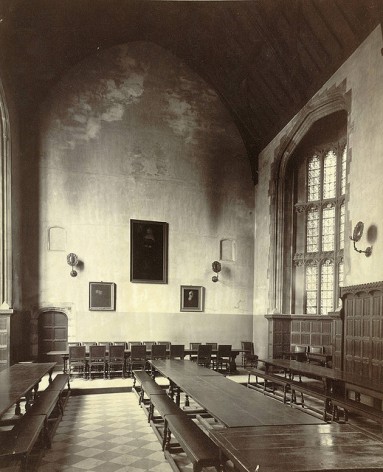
x: 194, y: 173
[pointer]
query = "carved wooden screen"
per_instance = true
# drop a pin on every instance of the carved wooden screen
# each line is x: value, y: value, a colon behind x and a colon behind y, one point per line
x: 363, y: 329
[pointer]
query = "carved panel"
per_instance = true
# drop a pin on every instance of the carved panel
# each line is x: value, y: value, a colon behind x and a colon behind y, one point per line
x: 363, y: 320
x: 285, y: 331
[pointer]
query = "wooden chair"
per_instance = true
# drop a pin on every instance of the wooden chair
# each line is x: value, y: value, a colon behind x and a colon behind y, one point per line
x: 193, y: 346
x: 223, y: 357
x: 213, y: 345
x: 134, y: 343
x: 116, y: 360
x: 77, y: 361
x: 177, y: 351
x: 97, y: 361
x: 158, y: 351
x: 137, y: 359
x: 204, y: 355
x: 248, y: 356
x: 299, y: 353
x: 214, y: 348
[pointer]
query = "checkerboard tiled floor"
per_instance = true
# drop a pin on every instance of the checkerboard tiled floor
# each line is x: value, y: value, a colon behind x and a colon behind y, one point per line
x: 104, y: 433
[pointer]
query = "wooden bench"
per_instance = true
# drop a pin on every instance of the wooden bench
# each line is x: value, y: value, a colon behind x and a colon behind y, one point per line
x: 148, y: 385
x: 304, y: 389
x: 199, y: 448
x: 346, y: 404
x: 164, y: 406
x: 44, y: 405
x: 268, y: 377
x: 19, y: 442
x: 61, y: 384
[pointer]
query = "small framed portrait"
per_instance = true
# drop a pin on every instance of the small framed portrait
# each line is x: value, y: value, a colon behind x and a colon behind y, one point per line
x: 102, y: 296
x: 148, y: 252
x: 192, y: 298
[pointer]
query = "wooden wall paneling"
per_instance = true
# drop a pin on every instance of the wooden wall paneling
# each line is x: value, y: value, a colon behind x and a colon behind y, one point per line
x: 278, y: 335
x: 337, y: 354
x: 363, y: 319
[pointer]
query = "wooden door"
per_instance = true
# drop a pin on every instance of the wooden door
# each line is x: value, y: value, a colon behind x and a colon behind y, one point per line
x: 53, y: 334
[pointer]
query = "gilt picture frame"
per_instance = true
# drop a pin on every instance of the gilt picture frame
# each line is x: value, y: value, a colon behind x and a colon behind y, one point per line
x: 102, y: 296
x: 149, y: 252
x: 192, y: 298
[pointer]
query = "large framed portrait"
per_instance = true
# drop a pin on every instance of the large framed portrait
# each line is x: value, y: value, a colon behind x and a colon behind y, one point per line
x: 148, y: 252
x: 102, y: 296
x: 192, y: 298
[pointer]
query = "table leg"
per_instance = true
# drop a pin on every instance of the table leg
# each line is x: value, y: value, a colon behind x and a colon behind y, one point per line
x: 17, y: 409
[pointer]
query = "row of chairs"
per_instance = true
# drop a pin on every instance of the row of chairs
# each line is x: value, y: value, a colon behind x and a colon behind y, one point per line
x: 105, y: 363
x: 126, y: 344
x: 100, y: 361
x: 129, y: 344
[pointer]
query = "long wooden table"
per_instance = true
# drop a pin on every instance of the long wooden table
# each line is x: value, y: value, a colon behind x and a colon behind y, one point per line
x: 303, y: 448
x: 230, y: 403
x: 21, y: 381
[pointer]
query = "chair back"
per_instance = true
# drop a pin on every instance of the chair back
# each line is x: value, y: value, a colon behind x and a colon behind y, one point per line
x: 177, y: 351
x: 120, y: 343
x: 116, y: 351
x: 298, y: 348
x: 224, y: 350
x: 167, y: 343
x: 134, y: 343
x: 158, y: 351
x: 89, y: 343
x: 194, y: 345
x: 213, y: 345
x: 316, y: 349
x: 77, y: 353
x: 204, y: 354
x: 138, y: 352
x: 247, y: 346
x: 73, y: 344
x: 97, y: 352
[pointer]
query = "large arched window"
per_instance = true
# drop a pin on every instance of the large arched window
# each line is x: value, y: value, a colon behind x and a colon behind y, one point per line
x: 317, y: 187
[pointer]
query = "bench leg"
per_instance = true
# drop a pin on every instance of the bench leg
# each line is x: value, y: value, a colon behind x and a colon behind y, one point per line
x: 151, y: 412
x: 167, y: 437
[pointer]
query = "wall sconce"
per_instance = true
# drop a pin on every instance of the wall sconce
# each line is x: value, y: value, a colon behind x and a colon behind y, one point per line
x: 72, y: 260
x: 356, y: 235
x: 216, y: 266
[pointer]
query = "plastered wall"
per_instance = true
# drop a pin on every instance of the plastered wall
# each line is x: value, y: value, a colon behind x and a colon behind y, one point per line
x: 132, y: 133
x: 363, y: 75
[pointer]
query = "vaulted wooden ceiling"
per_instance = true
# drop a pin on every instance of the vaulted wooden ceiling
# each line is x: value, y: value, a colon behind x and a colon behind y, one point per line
x: 265, y: 58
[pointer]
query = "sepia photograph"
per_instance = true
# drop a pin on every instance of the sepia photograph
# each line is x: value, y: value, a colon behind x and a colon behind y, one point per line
x: 219, y: 163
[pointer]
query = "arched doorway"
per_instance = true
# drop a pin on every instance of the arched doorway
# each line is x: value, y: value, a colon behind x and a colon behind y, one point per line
x: 53, y: 334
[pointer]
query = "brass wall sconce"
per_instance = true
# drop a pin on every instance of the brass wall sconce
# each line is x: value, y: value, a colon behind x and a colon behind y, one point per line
x: 216, y: 266
x: 72, y: 260
x: 356, y: 235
